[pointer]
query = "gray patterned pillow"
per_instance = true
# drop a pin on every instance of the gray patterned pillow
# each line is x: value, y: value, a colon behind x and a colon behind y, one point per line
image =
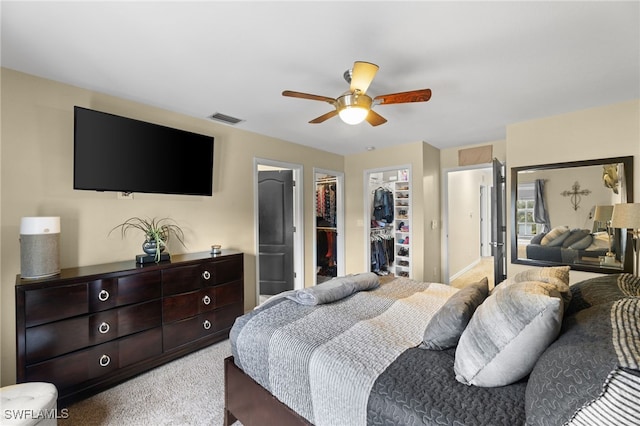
x: 590, y: 375
x: 602, y: 289
x: 507, y: 334
x: 446, y: 326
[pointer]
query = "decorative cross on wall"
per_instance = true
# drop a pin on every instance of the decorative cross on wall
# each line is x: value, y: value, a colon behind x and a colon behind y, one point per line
x: 575, y: 194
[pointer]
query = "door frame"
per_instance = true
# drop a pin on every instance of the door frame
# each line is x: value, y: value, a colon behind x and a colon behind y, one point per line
x: 298, y: 219
x: 444, y: 213
x: 340, y: 258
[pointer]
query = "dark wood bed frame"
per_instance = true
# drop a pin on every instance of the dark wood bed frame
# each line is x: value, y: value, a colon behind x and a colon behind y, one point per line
x: 253, y: 405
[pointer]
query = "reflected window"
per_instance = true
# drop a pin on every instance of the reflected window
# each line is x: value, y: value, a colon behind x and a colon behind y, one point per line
x: 524, y: 213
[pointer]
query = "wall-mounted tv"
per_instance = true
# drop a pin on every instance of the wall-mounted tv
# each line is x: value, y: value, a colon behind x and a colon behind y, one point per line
x: 114, y: 153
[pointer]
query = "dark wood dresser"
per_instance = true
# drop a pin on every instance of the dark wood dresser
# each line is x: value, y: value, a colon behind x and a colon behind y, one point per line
x: 90, y: 328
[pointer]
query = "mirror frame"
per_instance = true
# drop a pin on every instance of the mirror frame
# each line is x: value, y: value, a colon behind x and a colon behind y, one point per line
x: 628, y: 255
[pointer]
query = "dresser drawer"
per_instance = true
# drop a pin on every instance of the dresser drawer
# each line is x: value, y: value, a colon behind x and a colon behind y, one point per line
x: 227, y: 294
x: 228, y: 270
x: 188, y: 330
x: 112, y: 292
x: 78, y: 367
x: 186, y: 305
x: 51, y: 304
x: 181, y: 279
x: 187, y: 278
x: 58, y: 338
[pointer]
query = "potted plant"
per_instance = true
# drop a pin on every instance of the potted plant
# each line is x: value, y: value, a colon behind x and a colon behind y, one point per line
x: 156, y: 231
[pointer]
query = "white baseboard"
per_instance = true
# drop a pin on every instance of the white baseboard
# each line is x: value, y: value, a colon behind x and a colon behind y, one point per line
x: 465, y: 269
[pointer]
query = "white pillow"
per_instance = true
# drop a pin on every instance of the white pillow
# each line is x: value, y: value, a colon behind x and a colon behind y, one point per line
x: 507, y: 334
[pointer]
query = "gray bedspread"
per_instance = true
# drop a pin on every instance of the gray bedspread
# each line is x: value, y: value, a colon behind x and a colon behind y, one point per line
x: 356, y: 362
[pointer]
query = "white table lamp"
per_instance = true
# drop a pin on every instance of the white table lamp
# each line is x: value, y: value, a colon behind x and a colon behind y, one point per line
x: 628, y: 216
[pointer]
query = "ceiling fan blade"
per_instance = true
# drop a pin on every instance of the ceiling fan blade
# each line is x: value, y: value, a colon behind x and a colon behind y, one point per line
x: 362, y: 76
x: 301, y: 95
x: 324, y: 117
x: 374, y: 118
x: 422, y: 95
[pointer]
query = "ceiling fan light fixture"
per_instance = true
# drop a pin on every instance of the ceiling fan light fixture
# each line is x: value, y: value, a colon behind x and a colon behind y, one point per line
x: 353, y: 115
x: 353, y: 108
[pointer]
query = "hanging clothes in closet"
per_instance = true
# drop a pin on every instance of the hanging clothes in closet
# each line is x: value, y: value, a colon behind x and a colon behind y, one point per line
x: 326, y: 236
x: 382, y: 251
x: 326, y: 251
x: 326, y: 202
x: 383, y: 205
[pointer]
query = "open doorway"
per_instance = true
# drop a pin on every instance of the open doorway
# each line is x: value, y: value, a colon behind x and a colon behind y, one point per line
x: 279, y: 233
x: 328, y: 241
x: 467, y: 214
x: 388, y: 218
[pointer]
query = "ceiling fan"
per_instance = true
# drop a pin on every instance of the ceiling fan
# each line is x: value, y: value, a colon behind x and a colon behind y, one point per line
x: 355, y: 106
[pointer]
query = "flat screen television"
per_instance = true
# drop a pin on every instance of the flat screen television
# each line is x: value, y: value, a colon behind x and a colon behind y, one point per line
x: 114, y: 153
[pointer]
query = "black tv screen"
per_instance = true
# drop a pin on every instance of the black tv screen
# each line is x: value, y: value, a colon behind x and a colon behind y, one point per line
x: 113, y: 153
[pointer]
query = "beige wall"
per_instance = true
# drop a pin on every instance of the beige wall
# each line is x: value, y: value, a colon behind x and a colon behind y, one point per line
x: 431, y: 199
x: 37, y: 173
x: 425, y: 171
x: 609, y: 131
x: 455, y: 219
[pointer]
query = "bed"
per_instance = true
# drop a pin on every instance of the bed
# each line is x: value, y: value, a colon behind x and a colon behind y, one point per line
x: 363, y: 360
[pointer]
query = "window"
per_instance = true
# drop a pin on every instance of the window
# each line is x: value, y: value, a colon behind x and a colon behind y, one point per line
x: 524, y: 211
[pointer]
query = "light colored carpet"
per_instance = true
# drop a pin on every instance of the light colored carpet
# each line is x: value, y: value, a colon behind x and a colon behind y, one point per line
x: 482, y: 269
x: 187, y: 391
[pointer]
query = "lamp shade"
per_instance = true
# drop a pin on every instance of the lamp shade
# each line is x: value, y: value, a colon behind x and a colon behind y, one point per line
x: 603, y: 213
x: 626, y: 216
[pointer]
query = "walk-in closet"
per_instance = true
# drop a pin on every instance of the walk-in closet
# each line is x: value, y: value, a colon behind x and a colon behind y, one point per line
x: 389, y: 218
x: 329, y: 233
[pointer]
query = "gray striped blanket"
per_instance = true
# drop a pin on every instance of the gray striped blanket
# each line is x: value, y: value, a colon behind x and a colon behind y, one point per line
x: 323, y: 361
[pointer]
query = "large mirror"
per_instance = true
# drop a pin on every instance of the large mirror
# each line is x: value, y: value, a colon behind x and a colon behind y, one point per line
x: 561, y: 213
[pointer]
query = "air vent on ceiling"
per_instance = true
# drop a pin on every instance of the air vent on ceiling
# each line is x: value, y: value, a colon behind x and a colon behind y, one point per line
x: 227, y: 119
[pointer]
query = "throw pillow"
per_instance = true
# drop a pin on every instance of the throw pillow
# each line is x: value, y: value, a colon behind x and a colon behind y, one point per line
x: 445, y: 328
x: 574, y: 236
x: 537, y: 239
x: 558, y: 276
x: 507, y: 334
x: 582, y: 243
x: 556, y: 236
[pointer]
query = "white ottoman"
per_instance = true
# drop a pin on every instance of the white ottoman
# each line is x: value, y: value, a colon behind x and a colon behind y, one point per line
x: 27, y: 404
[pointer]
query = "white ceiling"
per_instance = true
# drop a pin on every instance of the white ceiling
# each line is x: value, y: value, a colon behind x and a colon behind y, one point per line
x: 489, y: 64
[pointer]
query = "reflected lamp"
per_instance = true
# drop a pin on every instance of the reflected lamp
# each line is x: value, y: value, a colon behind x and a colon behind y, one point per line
x: 627, y: 216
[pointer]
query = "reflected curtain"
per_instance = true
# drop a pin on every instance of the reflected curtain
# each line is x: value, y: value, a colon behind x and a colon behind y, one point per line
x: 540, y: 212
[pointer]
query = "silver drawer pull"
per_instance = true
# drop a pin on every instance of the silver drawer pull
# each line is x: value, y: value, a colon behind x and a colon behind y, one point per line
x: 206, y: 275
x: 206, y: 300
x: 104, y: 328
x: 104, y: 360
x: 103, y: 295
x: 206, y: 324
